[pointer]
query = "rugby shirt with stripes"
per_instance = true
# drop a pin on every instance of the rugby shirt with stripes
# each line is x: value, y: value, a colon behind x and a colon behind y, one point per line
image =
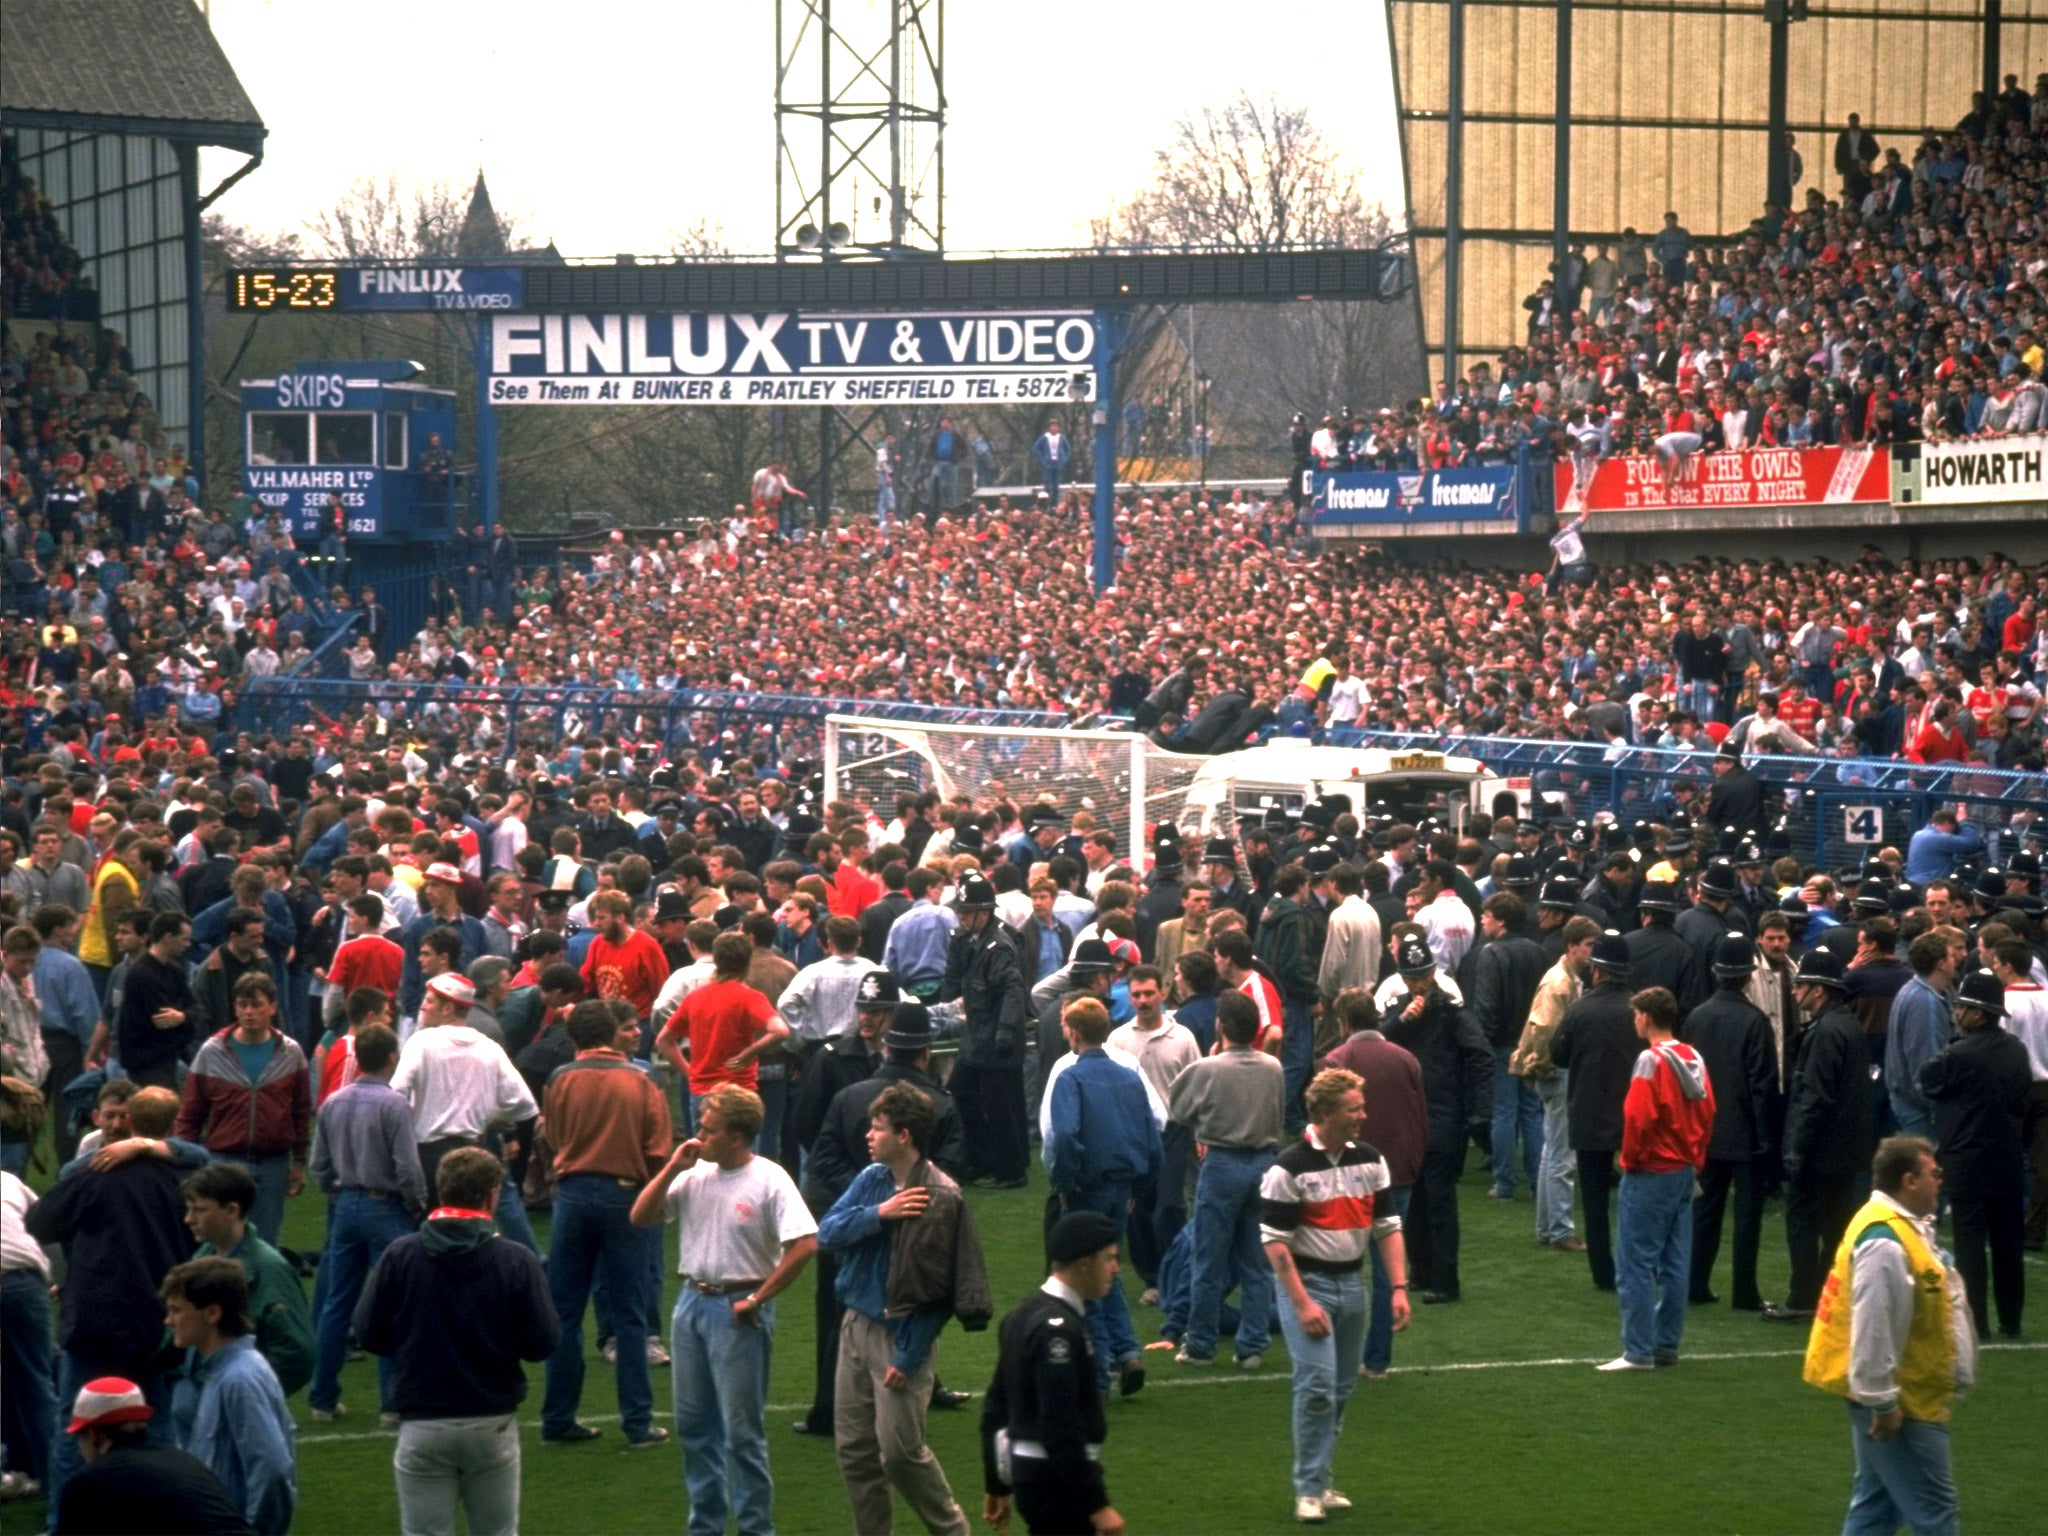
x: 1325, y: 1210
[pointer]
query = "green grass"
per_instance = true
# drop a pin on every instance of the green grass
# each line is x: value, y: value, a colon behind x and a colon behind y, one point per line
x: 1492, y: 1421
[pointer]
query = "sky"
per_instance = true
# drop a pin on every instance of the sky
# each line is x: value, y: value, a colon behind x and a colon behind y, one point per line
x: 613, y: 126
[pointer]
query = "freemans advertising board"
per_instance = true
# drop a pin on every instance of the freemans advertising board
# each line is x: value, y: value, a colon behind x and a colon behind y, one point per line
x: 1742, y: 477
x: 792, y: 359
x: 1984, y: 470
x: 1478, y: 493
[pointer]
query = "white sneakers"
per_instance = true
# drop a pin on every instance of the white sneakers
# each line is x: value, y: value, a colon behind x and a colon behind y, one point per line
x: 1623, y: 1363
x: 1182, y: 1357
x: 1250, y: 1362
x: 1333, y: 1501
x: 1308, y: 1510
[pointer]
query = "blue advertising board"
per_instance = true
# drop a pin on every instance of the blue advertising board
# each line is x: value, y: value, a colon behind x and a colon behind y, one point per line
x: 792, y: 359
x: 1480, y: 493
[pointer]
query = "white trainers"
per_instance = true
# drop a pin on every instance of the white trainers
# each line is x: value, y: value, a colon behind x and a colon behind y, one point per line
x: 1182, y: 1357
x: 657, y: 1352
x: 1250, y: 1362
x: 387, y: 1421
x: 608, y: 1352
x: 1333, y: 1500
x: 1623, y: 1363
x: 329, y: 1415
x: 1149, y: 1297
x: 1308, y: 1510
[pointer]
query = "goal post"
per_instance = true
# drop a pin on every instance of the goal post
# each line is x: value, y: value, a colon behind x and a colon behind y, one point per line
x: 1122, y: 778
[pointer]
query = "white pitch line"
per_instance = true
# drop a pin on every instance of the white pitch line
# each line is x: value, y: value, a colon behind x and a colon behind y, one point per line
x: 1227, y: 1378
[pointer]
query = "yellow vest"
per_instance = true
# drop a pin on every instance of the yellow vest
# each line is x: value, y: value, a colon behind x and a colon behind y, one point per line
x: 1926, y: 1374
x: 96, y: 944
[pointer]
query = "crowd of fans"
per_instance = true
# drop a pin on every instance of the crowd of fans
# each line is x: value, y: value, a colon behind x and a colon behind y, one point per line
x: 1911, y: 306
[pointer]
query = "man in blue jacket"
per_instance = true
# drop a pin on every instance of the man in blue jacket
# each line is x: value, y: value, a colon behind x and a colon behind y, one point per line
x: 1104, y: 1146
x: 885, y: 1354
x: 230, y: 1411
x: 1936, y: 848
x: 1920, y: 1030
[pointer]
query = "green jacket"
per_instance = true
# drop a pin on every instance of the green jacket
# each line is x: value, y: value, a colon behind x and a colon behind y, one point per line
x: 277, y: 1306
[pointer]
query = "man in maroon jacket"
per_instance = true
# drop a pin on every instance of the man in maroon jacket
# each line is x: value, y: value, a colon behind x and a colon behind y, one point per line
x: 247, y: 1100
x: 1399, y: 1116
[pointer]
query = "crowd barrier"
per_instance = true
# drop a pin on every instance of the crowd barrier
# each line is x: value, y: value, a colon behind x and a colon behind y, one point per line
x: 1836, y: 811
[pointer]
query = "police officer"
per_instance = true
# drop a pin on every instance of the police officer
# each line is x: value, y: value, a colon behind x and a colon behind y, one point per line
x: 1597, y: 1044
x: 1042, y: 1424
x: 1715, y: 914
x: 1457, y: 1082
x: 1979, y: 1087
x: 1162, y: 902
x: 1657, y: 956
x: 985, y: 972
x: 1734, y: 1039
x: 840, y: 1151
x: 1557, y: 905
x: 1830, y: 1131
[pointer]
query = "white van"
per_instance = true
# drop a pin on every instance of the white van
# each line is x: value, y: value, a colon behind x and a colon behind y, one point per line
x: 1237, y: 789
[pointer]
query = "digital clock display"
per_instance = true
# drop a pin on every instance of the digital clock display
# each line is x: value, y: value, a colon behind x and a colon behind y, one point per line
x: 284, y: 288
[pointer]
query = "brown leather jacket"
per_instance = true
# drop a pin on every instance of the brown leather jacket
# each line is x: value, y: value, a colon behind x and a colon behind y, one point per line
x: 936, y: 1258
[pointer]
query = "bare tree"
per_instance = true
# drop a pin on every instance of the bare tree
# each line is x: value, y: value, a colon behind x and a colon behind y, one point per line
x: 387, y: 219
x: 1257, y: 175
x: 1249, y: 176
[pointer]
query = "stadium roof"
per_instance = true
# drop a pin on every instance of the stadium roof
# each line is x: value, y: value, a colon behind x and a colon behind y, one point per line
x: 122, y: 66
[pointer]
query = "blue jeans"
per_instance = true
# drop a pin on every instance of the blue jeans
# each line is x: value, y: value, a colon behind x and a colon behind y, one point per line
x: 1297, y: 1059
x: 593, y: 1231
x: 270, y: 1174
x: 360, y: 1227
x: 1227, y: 1244
x: 721, y: 1397
x: 1325, y: 1371
x: 511, y: 1214
x: 1653, y: 1261
x: 1515, y: 1109
x: 1911, y: 1120
x: 774, y: 1092
x: 1109, y: 1320
x: 1905, y: 1480
x: 1555, y: 1168
x: 642, y: 1308
x: 1697, y: 700
x: 28, y: 1385
x: 1379, y: 1338
x: 72, y: 1375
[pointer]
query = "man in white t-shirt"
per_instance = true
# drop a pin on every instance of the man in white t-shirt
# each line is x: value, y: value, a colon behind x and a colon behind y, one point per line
x: 745, y: 1235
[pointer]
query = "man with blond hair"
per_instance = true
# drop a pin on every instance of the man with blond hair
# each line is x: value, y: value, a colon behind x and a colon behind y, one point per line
x: 1317, y: 1215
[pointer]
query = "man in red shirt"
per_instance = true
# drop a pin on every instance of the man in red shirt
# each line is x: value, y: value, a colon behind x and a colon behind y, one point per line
x: 365, y: 959
x: 1667, y: 1120
x: 622, y: 960
x: 727, y: 1023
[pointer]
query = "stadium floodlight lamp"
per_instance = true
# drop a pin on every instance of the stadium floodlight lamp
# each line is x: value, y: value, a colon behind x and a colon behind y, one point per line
x: 807, y: 236
x: 837, y: 234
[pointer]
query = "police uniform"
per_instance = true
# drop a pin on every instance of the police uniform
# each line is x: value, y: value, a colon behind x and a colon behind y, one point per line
x: 1042, y: 1423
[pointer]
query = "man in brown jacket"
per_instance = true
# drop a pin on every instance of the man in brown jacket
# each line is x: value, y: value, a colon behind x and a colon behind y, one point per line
x: 886, y: 1347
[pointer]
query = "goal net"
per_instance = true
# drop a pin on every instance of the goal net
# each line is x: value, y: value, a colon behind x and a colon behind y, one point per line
x: 1120, y: 777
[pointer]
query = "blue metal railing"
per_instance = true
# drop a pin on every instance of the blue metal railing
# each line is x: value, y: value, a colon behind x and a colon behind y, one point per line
x: 1834, y: 809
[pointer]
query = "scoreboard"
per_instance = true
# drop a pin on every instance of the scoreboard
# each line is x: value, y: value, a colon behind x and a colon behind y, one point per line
x: 307, y: 289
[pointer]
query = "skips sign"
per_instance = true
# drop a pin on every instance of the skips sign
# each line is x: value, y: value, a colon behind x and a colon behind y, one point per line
x: 791, y: 359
